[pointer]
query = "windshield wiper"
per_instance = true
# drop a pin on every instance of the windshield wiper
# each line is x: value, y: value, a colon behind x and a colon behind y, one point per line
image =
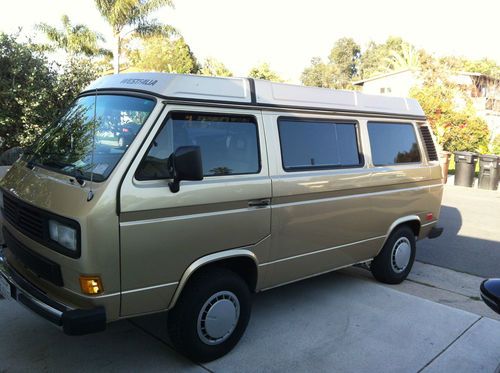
x: 61, y: 165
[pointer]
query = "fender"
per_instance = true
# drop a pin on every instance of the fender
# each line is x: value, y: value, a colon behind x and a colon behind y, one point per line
x: 397, y: 222
x: 211, y: 258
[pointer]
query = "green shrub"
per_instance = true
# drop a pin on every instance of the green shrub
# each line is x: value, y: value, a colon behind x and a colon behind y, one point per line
x: 495, y: 145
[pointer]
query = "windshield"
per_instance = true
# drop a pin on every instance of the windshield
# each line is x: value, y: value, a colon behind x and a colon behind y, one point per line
x: 67, y: 145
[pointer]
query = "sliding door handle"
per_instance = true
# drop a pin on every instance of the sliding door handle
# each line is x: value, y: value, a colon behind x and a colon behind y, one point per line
x: 259, y: 202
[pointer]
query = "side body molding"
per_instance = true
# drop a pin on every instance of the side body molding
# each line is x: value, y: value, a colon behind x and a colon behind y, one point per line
x: 233, y: 253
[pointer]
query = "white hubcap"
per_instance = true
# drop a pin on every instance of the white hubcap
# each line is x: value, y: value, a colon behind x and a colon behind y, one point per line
x: 401, y: 253
x: 218, y: 317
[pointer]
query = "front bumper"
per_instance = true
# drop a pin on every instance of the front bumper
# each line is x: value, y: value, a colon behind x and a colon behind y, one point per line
x: 73, y: 321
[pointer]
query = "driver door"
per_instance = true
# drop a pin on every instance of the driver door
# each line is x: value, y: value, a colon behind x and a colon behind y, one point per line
x: 162, y: 233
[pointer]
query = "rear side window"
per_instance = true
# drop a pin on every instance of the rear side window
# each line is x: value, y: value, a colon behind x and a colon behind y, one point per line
x: 228, y: 144
x: 310, y: 144
x: 393, y: 143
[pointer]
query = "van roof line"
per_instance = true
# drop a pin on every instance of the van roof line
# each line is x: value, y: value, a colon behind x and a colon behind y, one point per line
x: 256, y: 92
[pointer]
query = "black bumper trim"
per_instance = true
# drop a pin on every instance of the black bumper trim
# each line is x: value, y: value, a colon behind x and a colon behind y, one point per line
x: 435, y: 232
x: 73, y: 321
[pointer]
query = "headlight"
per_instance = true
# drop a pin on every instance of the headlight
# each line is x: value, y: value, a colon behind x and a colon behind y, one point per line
x: 62, y: 234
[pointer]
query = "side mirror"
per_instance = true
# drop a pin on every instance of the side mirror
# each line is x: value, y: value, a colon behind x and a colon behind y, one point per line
x: 490, y: 292
x: 185, y: 164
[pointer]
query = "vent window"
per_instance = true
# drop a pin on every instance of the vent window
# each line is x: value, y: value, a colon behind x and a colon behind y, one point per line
x: 429, y: 143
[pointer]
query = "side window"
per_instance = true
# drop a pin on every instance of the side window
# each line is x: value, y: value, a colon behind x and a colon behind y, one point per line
x: 228, y: 143
x: 309, y: 144
x: 393, y: 143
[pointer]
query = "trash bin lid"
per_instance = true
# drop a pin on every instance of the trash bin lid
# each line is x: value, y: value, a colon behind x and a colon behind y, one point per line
x: 489, y: 157
x: 465, y: 157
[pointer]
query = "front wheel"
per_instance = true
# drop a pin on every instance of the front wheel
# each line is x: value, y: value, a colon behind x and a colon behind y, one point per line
x: 211, y: 315
x: 394, y: 262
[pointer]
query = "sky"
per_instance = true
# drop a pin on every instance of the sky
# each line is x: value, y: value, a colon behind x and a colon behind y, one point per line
x: 288, y: 33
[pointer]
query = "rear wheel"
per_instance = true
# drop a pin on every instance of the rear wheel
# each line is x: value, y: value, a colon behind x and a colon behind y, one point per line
x: 394, y: 262
x: 211, y: 315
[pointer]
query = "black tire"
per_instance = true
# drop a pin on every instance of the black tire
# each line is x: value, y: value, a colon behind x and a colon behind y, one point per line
x: 183, y: 318
x: 385, y: 267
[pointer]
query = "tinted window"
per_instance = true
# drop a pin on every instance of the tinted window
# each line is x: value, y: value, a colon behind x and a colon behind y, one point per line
x: 393, y: 143
x: 317, y: 144
x: 228, y: 144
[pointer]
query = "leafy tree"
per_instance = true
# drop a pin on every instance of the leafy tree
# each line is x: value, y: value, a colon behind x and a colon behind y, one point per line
x: 33, y: 92
x: 26, y: 86
x: 484, y: 66
x: 163, y: 54
x: 213, y: 67
x: 374, y: 59
x: 344, y: 57
x: 263, y: 71
x: 319, y: 74
x: 132, y: 15
x: 74, y: 39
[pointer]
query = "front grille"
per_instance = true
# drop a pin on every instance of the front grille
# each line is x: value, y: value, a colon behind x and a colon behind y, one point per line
x: 38, y: 264
x: 25, y: 218
x: 429, y: 143
x: 33, y: 222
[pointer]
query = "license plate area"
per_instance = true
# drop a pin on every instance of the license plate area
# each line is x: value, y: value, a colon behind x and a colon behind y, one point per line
x: 5, y: 288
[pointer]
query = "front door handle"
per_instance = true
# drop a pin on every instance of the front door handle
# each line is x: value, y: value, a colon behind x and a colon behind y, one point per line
x: 259, y: 202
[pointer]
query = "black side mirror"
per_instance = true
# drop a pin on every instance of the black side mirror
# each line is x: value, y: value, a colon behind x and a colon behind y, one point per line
x: 490, y: 292
x: 185, y: 164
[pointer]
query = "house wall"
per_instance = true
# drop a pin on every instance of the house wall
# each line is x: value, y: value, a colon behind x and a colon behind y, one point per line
x: 392, y: 85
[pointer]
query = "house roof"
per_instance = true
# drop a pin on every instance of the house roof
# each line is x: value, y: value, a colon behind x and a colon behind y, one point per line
x: 381, y: 76
x: 262, y: 93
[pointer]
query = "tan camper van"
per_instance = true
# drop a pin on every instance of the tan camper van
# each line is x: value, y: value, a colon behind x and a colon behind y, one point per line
x: 160, y: 192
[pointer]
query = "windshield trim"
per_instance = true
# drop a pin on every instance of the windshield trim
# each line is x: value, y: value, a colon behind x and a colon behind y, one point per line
x: 97, y: 178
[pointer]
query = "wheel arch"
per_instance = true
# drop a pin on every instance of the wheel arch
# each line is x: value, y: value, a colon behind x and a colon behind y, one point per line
x: 243, y: 262
x: 413, y: 221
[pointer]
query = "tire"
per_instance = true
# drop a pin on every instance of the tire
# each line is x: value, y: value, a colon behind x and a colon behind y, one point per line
x: 213, y: 291
x: 394, y: 262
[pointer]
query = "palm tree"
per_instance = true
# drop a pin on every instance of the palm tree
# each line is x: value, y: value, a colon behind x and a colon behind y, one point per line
x: 74, y: 39
x: 131, y: 17
x: 408, y: 58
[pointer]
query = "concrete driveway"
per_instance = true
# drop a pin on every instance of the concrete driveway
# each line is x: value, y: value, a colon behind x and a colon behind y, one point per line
x: 335, y: 322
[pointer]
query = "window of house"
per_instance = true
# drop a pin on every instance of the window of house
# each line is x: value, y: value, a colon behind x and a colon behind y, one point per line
x: 309, y: 144
x: 228, y: 143
x: 393, y: 143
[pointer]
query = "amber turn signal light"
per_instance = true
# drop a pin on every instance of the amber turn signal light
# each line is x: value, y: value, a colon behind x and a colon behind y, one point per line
x: 91, y: 285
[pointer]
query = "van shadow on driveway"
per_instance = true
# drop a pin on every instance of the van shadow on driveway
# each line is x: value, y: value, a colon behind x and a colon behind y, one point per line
x: 458, y: 248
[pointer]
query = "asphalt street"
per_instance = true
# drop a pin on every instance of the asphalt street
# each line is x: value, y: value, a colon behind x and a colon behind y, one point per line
x: 470, y: 242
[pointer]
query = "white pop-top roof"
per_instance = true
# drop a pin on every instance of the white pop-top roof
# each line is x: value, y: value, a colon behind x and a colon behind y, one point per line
x: 257, y: 92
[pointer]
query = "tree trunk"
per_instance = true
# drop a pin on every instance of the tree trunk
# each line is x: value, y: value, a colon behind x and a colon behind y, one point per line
x: 116, y: 59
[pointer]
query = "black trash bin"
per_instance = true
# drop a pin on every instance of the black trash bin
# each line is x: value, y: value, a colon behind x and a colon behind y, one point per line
x: 488, y: 171
x: 465, y: 167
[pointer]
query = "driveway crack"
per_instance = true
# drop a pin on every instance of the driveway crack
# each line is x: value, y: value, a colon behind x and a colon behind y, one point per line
x: 449, y: 345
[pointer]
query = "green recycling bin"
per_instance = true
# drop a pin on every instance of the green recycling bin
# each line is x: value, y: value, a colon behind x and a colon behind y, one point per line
x: 489, y: 167
x: 465, y: 167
